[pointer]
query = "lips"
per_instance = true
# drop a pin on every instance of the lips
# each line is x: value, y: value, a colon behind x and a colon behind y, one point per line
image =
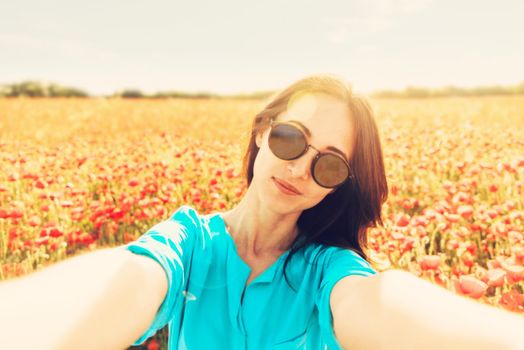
x: 287, y: 185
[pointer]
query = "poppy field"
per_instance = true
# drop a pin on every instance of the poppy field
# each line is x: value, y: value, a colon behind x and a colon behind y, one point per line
x: 80, y: 174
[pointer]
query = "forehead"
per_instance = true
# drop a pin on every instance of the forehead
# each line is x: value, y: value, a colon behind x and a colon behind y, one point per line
x: 327, y: 118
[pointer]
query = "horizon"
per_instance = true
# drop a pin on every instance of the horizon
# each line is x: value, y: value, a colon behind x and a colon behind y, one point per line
x: 232, y: 48
x: 247, y: 93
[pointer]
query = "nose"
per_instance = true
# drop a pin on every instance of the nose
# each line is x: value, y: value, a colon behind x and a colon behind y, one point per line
x: 301, y: 167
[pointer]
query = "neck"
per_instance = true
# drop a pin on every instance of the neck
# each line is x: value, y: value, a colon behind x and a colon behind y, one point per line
x: 258, y: 230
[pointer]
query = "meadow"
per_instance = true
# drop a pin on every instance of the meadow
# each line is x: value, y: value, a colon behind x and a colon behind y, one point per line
x: 81, y: 174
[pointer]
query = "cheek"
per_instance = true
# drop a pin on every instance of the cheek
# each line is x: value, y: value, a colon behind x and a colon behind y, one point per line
x: 315, y: 193
x: 264, y: 164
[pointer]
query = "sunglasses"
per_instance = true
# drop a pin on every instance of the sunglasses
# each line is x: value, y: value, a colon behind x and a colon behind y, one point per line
x: 288, y: 142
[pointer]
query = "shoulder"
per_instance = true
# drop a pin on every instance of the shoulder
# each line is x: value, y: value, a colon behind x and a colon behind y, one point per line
x: 183, y: 225
x: 189, y: 215
x: 336, y: 260
x: 185, y: 215
x: 351, y: 287
x: 342, y: 274
x: 347, y: 261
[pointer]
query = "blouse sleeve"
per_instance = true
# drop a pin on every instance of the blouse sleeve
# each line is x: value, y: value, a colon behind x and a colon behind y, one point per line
x: 170, y: 243
x: 341, y: 263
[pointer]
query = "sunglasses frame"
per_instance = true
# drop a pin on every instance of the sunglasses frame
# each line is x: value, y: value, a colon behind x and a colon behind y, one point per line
x: 319, y: 154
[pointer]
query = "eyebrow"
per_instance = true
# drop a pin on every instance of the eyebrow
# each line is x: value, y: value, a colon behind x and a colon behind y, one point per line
x: 308, y: 133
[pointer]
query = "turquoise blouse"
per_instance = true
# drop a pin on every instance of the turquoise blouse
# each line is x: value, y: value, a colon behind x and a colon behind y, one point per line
x: 207, y: 305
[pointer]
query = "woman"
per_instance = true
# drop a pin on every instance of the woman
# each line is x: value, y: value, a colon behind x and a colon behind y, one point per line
x: 284, y: 269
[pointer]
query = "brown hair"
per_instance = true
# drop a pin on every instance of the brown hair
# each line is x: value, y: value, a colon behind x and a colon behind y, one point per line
x: 343, y: 216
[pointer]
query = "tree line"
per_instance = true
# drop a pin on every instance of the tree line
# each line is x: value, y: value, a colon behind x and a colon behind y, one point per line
x: 39, y: 89
x: 452, y: 91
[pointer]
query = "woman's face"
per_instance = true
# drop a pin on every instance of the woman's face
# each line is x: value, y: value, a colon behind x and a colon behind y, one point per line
x: 330, y: 124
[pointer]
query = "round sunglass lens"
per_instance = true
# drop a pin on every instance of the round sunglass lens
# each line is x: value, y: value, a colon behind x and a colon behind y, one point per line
x: 286, y: 141
x: 330, y: 170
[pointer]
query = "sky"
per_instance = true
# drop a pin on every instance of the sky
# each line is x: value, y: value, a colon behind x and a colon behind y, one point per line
x: 232, y: 47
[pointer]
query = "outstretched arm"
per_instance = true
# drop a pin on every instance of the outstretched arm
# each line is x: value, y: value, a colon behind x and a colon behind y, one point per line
x: 99, y: 300
x: 397, y: 310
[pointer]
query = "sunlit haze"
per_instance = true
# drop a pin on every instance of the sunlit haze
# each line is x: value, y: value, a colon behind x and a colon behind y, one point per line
x: 239, y: 46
